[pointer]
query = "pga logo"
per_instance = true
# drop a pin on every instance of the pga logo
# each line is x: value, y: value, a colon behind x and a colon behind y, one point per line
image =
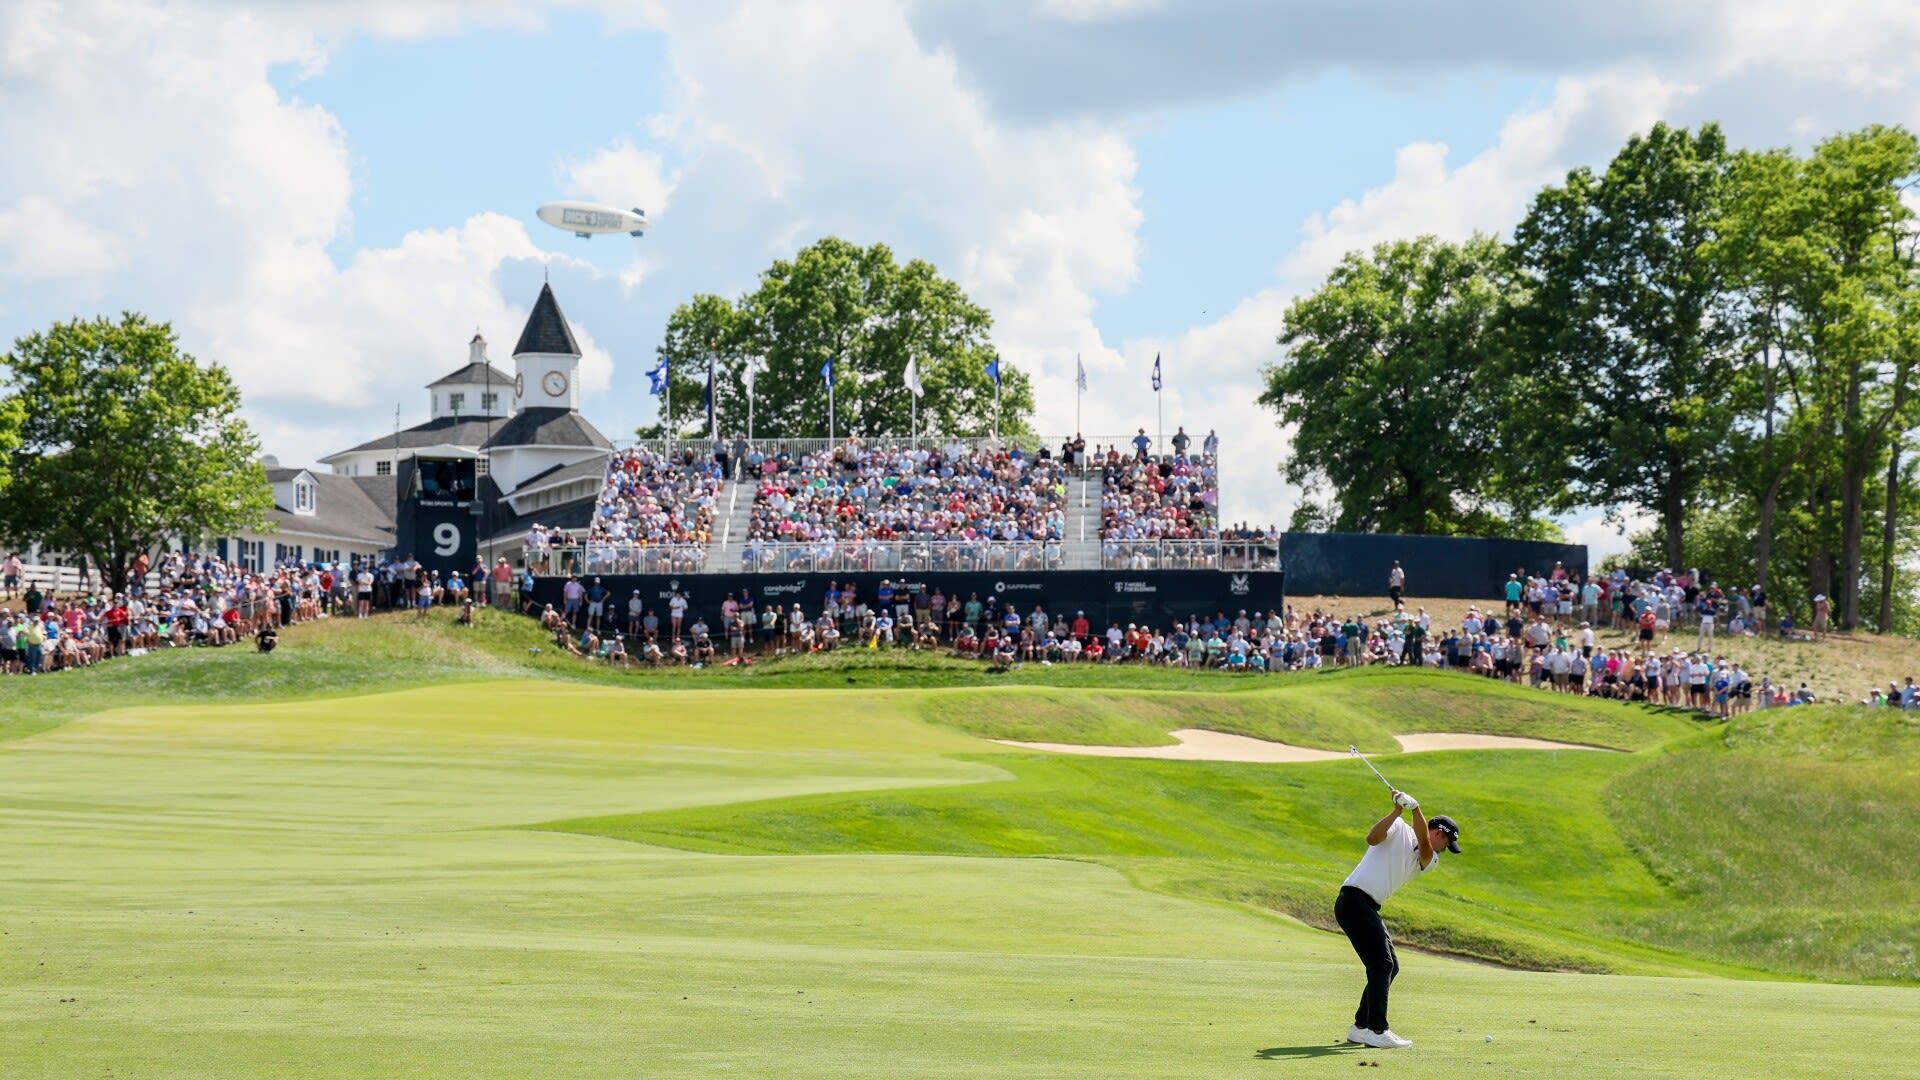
x: 1239, y: 586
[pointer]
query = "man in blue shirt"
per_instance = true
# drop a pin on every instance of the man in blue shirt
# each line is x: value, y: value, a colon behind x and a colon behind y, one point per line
x: 1141, y: 444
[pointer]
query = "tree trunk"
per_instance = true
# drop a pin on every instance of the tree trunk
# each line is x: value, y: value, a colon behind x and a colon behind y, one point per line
x: 1673, y: 509
x: 1763, y: 547
x: 1852, y: 506
x: 1888, y: 530
x: 1820, y: 564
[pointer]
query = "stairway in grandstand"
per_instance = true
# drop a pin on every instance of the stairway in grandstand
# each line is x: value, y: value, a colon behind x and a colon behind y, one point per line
x: 1081, y: 550
x: 735, y: 508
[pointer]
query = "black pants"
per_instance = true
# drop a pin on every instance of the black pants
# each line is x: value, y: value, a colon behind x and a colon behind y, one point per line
x: 1359, y: 916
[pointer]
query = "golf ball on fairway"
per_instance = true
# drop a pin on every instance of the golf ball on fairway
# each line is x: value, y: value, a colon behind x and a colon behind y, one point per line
x: 1489, y: 1038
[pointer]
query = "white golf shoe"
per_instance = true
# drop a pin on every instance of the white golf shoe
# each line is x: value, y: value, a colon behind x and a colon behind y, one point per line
x: 1358, y: 1034
x: 1386, y: 1040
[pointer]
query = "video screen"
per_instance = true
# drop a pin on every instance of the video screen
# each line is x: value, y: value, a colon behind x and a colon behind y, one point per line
x: 452, y: 480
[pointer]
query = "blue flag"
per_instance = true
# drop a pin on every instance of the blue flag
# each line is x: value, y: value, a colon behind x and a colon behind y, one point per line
x: 993, y: 370
x: 1156, y: 373
x: 658, y: 379
x: 826, y: 371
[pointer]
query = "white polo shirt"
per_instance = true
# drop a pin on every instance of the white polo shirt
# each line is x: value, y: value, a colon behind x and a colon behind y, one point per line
x: 1391, y: 863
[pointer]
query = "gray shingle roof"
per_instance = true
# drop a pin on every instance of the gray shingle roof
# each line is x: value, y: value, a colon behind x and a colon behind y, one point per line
x: 465, y: 431
x: 594, y: 468
x: 547, y: 330
x: 343, y: 511
x: 473, y: 373
x: 548, y: 427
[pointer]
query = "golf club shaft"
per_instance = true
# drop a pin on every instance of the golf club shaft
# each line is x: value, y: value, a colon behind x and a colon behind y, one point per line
x: 1355, y: 750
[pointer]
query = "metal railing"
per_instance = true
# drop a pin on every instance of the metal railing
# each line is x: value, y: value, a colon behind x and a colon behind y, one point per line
x: 903, y: 556
x: 595, y: 558
x: 1238, y: 555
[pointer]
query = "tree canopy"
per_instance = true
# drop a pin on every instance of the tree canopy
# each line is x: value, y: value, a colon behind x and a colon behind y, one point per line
x: 866, y: 314
x: 1726, y: 340
x: 1379, y: 386
x: 123, y: 443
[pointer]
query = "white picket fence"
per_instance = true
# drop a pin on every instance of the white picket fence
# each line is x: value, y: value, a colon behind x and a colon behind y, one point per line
x: 56, y: 579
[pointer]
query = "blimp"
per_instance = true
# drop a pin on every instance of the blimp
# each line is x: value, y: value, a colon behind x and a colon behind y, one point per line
x: 587, y: 220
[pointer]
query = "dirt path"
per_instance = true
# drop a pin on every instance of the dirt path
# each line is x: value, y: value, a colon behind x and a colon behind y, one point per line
x: 1198, y: 745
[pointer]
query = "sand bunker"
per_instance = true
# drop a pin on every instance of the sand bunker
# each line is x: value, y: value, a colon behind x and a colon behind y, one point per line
x: 1198, y: 745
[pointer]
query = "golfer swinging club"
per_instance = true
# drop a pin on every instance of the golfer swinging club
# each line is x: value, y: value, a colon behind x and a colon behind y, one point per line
x: 1397, y: 852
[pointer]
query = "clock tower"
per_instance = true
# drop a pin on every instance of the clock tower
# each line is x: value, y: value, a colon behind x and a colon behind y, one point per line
x: 547, y: 433
x: 546, y: 361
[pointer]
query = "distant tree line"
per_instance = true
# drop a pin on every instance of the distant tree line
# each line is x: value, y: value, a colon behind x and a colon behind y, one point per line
x: 1723, y: 339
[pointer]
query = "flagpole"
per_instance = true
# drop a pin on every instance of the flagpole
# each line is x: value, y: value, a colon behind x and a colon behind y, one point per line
x: 1079, y: 388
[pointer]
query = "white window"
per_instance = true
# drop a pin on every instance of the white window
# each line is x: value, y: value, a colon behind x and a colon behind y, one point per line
x: 481, y: 466
x: 303, y: 496
x: 488, y: 402
x: 455, y: 402
x: 383, y: 468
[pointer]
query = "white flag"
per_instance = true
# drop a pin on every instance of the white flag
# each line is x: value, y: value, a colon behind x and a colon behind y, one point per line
x: 1081, y: 379
x: 913, y: 378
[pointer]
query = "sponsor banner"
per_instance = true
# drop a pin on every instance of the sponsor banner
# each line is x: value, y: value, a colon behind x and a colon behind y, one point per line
x: 1155, y: 597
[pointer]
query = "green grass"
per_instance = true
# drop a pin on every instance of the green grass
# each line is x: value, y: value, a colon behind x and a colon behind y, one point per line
x: 222, y: 865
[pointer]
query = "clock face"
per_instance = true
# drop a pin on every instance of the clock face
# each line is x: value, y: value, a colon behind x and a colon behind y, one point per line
x: 520, y: 385
x: 555, y: 384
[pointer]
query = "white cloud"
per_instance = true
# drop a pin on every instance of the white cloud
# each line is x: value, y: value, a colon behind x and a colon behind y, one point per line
x: 153, y: 165
x: 40, y: 241
x: 1604, y: 538
x: 620, y: 174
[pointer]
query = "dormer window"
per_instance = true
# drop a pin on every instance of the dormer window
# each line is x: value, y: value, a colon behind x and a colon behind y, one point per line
x: 302, y: 497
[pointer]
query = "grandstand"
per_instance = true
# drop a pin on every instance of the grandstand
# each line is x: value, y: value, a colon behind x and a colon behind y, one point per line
x: 1035, y: 518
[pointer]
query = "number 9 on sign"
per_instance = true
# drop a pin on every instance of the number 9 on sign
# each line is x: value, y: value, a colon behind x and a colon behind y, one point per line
x: 446, y: 538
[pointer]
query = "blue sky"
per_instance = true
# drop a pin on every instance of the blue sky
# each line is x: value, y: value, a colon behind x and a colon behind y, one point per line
x: 328, y: 197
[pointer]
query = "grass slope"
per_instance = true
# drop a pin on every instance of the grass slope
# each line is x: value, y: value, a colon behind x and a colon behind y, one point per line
x: 309, y: 885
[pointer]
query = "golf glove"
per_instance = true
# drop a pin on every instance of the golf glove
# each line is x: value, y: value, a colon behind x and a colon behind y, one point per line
x: 1405, y: 801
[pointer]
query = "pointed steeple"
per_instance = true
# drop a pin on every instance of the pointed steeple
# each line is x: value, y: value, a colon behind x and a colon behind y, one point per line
x: 547, y: 330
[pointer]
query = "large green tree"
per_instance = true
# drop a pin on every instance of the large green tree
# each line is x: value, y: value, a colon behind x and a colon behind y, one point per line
x: 1387, y: 388
x: 867, y: 313
x: 125, y: 442
x: 1624, y: 347
x: 1857, y: 290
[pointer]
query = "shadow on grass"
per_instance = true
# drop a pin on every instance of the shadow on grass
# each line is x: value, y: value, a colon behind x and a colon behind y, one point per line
x: 1282, y: 1053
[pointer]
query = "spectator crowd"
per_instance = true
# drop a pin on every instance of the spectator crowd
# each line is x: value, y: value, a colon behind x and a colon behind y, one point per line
x: 188, y: 600
x: 981, y: 507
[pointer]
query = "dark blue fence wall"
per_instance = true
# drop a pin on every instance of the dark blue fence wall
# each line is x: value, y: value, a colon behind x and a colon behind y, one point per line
x: 1153, y: 596
x: 1356, y: 564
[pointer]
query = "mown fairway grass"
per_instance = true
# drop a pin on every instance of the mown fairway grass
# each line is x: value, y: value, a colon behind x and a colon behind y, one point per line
x: 828, y: 885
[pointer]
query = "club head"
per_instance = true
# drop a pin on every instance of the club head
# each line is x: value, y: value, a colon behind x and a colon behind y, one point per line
x: 1352, y: 749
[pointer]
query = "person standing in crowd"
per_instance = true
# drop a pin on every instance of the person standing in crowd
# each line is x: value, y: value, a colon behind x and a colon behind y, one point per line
x: 10, y: 575
x: 1397, y: 852
x: 1822, y: 611
x: 1142, y: 444
x: 1396, y: 583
